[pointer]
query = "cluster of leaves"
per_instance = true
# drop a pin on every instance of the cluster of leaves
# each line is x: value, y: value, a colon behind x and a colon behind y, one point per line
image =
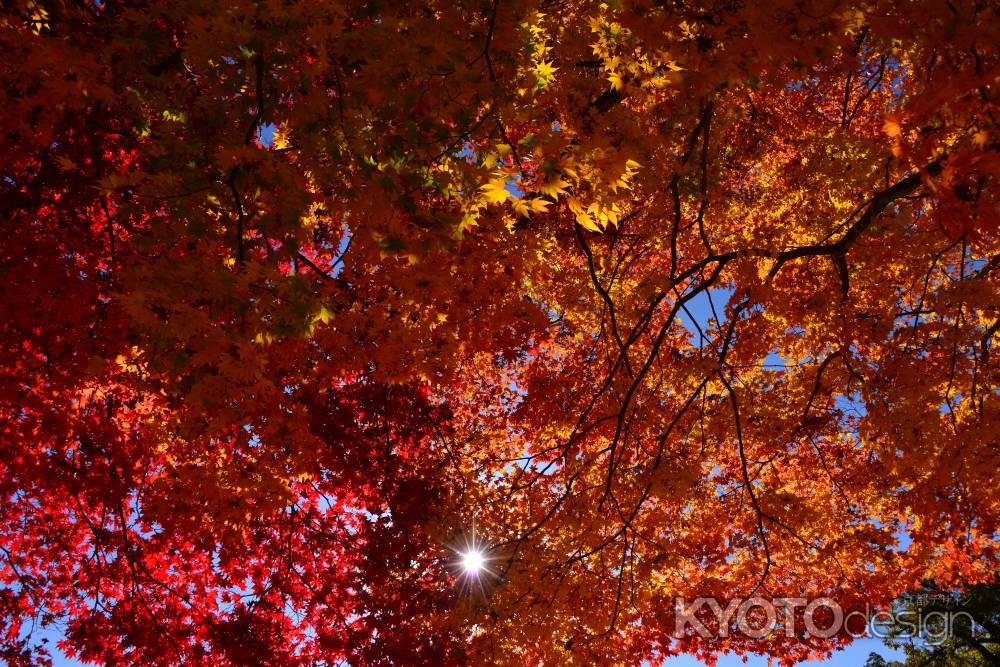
x: 298, y: 292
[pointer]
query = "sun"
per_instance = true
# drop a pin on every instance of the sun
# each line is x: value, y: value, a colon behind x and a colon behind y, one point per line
x: 473, y: 562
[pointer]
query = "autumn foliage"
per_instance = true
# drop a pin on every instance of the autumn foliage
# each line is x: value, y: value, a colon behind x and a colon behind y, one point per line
x: 642, y: 299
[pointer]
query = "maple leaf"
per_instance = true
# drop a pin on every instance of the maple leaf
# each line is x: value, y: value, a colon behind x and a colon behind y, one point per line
x: 525, y: 207
x: 891, y: 128
x: 495, y: 192
x: 545, y: 72
x: 554, y: 187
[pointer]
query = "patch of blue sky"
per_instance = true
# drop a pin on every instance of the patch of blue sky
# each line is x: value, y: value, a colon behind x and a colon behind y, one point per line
x: 851, y: 404
x: 342, y: 247
x: 49, y: 636
x: 903, y: 540
x: 705, y: 311
x: 265, y: 134
x: 513, y: 186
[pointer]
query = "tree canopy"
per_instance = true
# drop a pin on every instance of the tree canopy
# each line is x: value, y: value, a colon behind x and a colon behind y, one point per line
x: 636, y: 299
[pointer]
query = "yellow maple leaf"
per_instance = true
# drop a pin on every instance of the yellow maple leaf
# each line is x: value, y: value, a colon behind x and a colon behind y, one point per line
x: 495, y: 192
x: 469, y: 220
x: 554, y: 186
x: 525, y: 207
x: 539, y: 205
x: 324, y: 315
x: 545, y: 71
x: 522, y: 207
x: 584, y: 220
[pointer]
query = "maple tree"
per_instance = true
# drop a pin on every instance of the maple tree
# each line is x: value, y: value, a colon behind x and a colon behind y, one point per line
x: 303, y: 297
